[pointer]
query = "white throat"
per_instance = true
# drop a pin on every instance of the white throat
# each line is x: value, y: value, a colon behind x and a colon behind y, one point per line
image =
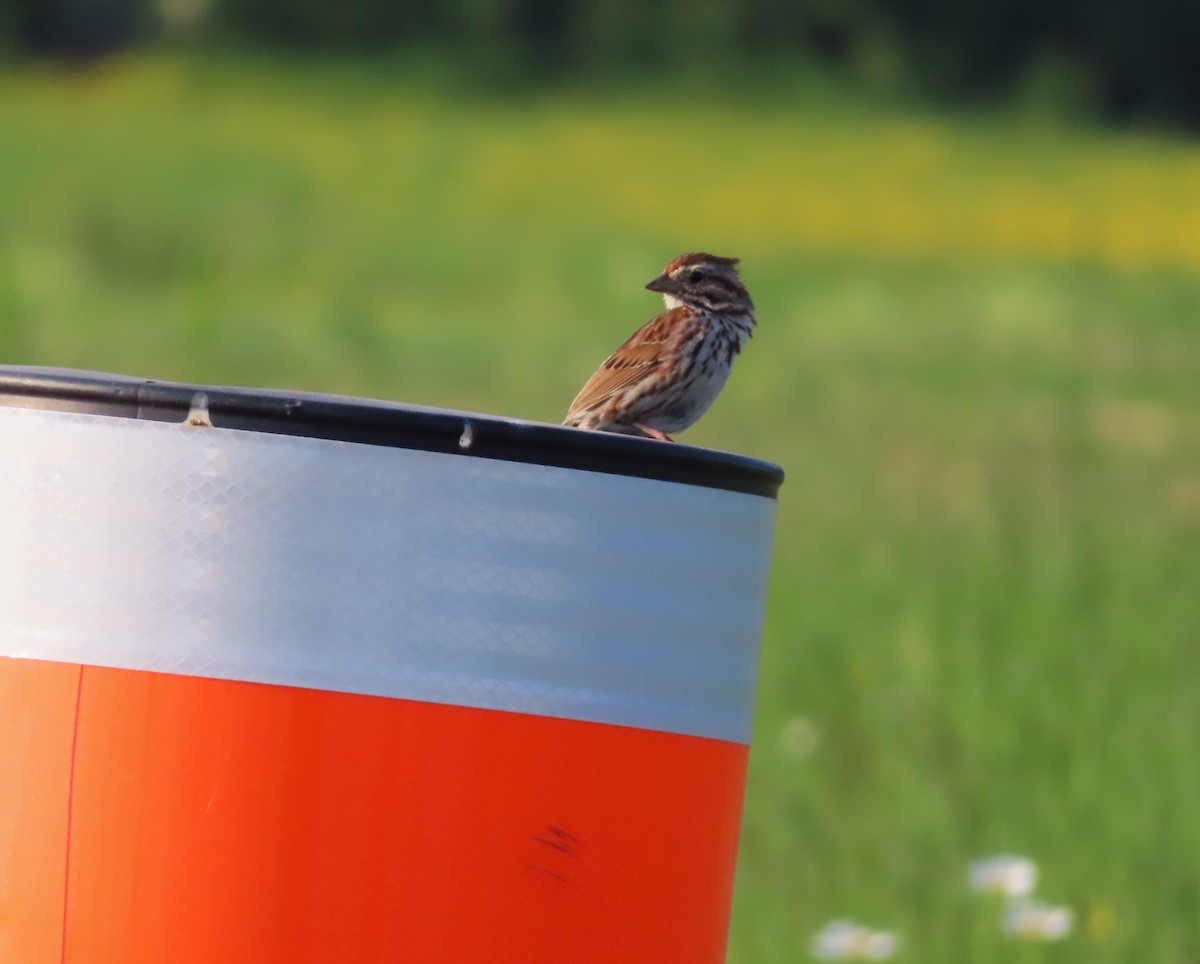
x: 741, y: 324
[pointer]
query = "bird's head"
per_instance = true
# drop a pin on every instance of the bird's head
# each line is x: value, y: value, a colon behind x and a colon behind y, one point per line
x: 704, y: 281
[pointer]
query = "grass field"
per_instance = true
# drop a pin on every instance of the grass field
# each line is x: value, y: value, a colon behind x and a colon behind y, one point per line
x: 978, y: 360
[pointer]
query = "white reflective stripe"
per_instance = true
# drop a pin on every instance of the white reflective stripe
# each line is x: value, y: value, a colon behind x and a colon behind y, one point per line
x: 365, y: 569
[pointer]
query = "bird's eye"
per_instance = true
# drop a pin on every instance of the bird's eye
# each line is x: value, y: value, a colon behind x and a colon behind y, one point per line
x: 695, y: 276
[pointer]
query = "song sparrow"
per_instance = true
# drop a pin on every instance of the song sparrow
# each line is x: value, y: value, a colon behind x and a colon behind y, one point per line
x: 673, y: 367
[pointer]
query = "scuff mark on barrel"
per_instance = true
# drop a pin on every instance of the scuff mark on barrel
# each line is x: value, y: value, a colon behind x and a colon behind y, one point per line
x: 558, y: 848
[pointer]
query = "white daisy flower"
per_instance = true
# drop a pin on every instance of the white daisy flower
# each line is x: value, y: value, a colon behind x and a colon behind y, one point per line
x: 1037, y: 922
x: 844, y: 940
x: 1005, y: 875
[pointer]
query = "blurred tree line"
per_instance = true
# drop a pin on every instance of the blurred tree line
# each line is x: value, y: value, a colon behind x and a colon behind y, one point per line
x: 1124, y: 58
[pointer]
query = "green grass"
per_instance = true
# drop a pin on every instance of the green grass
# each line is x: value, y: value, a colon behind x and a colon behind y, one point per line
x: 978, y: 360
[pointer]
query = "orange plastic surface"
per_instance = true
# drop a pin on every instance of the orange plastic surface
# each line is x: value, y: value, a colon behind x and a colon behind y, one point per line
x: 215, y: 821
x: 37, y: 726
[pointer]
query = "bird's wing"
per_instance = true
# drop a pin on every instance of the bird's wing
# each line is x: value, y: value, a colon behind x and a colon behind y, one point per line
x: 639, y: 357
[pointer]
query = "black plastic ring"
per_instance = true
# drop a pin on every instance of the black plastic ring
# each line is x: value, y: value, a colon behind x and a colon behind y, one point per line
x: 373, y: 422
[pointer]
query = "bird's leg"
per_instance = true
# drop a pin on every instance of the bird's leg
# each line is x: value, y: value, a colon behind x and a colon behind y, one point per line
x: 653, y: 433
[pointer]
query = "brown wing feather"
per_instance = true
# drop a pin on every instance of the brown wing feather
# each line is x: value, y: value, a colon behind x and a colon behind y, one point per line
x: 635, y: 360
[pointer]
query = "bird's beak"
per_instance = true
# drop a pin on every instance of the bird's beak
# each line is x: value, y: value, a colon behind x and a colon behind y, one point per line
x: 664, y: 284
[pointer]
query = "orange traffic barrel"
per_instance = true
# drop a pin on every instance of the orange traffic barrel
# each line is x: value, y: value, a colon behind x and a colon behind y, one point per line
x: 297, y: 678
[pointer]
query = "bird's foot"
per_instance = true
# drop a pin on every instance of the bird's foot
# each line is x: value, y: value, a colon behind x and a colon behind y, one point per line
x: 648, y: 432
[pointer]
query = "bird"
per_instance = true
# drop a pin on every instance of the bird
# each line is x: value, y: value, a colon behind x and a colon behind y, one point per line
x: 669, y: 371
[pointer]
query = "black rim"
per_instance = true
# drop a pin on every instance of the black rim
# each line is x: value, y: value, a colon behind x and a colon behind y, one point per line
x: 386, y: 423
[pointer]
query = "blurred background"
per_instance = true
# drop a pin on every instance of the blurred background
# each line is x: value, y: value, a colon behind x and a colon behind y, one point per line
x: 972, y: 229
